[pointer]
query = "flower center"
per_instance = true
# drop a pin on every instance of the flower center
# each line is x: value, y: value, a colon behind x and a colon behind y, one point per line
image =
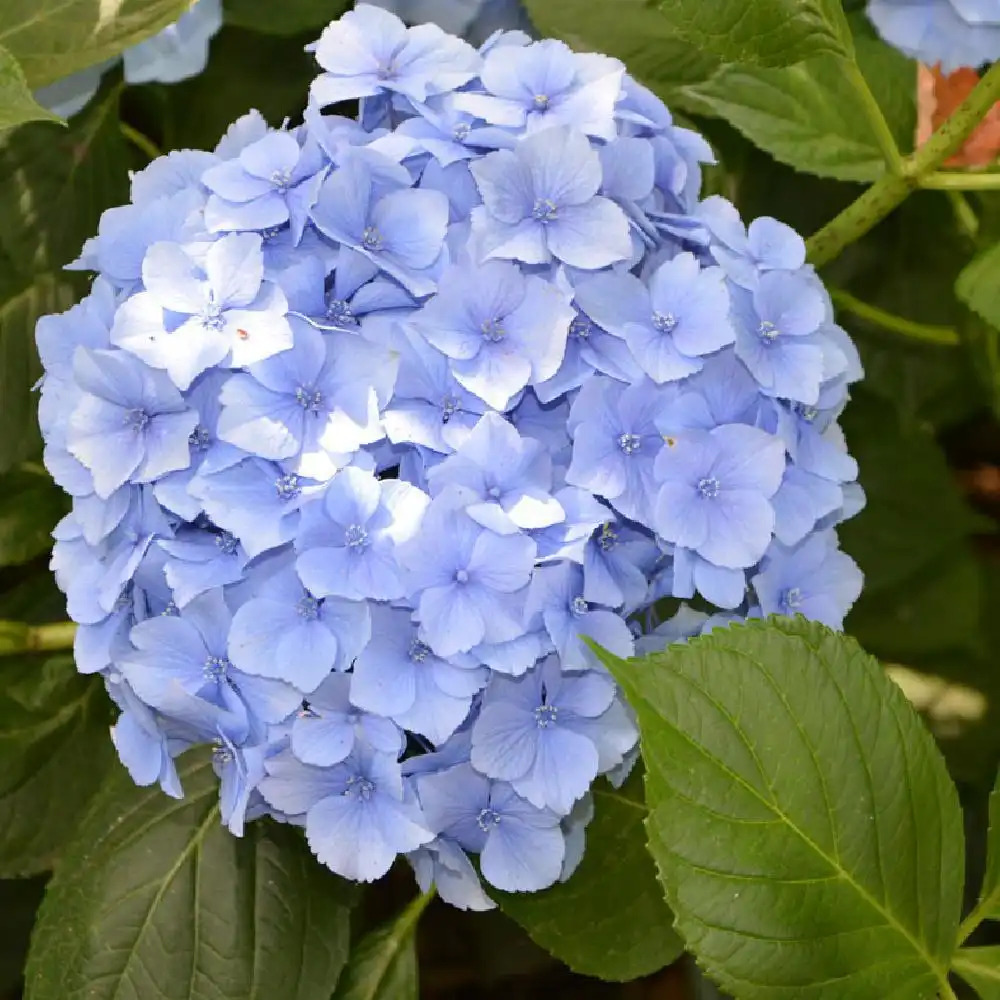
x: 461, y: 576
x: 371, y: 239
x: 544, y: 210
x: 449, y: 407
x: 792, y: 598
x: 200, y: 439
x: 608, y: 538
x: 386, y: 70
x: 461, y: 131
x: 309, y: 399
x: 579, y: 606
x: 222, y: 754
x: 359, y: 787
x: 665, y: 322
x: 767, y: 331
x: 308, y: 608
x: 339, y: 311
x: 419, y: 651
x: 226, y: 543
x: 287, y: 486
x: 356, y: 537
x: 493, y: 330
x: 807, y: 413
x: 487, y: 819
x: 581, y: 327
x: 281, y: 179
x: 541, y: 102
x: 215, y: 668
x: 545, y: 716
x: 211, y: 316
x: 708, y: 487
x: 629, y: 443
x: 136, y: 419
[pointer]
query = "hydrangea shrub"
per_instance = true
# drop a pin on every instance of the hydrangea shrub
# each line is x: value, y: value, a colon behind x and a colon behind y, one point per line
x: 371, y: 425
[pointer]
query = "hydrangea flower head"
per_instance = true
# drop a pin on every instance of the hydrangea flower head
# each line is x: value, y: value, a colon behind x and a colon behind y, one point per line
x: 372, y: 426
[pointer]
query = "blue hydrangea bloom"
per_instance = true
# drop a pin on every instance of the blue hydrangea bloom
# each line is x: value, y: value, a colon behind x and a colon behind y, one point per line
x: 369, y: 425
x: 954, y: 33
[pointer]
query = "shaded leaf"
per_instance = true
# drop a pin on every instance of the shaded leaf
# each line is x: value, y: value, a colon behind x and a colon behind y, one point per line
x: 980, y: 967
x: 802, y: 820
x: 978, y: 285
x: 20, y: 899
x: 53, y: 38
x: 17, y: 106
x: 581, y: 921
x: 383, y: 966
x: 30, y: 506
x: 286, y: 18
x: 989, y: 892
x: 155, y: 899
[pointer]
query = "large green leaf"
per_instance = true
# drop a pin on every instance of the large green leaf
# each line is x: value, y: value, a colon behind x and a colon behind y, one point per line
x: 19, y: 365
x: 764, y: 32
x: 978, y: 285
x: 30, y: 506
x: 54, y: 753
x: 384, y: 964
x: 156, y: 900
x: 812, y: 115
x: 53, y: 38
x: 290, y: 17
x: 583, y: 921
x: 57, y: 182
x: 803, y: 824
x: 980, y: 967
x: 17, y: 106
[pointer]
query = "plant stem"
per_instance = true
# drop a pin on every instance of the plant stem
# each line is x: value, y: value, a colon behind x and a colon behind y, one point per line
x: 880, y: 127
x: 140, y: 141
x: 17, y: 637
x: 891, y: 190
x: 947, y: 993
x: 960, y: 180
x: 943, y: 336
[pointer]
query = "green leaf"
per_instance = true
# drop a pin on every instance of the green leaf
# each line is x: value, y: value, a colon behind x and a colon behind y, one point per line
x: 17, y: 106
x: 631, y: 30
x: 811, y: 115
x: 54, y: 753
x: 19, y: 365
x: 287, y: 18
x: 802, y: 821
x: 763, y: 33
x: 156, y: 900
x: 21, y: 899
x: 978, y: 285
x: 56, y: 184
x: 609, y: 919
x: 384, y: 964
x: 53, y: 38
x: 30, y: 506
x: 989, y: 893
x: 980, y: 968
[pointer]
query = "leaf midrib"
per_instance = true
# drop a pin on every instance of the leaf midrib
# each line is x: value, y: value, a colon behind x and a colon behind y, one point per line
x: 890, y: 918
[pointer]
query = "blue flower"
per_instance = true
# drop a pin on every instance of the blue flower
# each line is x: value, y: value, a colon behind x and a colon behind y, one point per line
x: 546, y: 85
x: 358, y: 814
x: 617, y: 564
x: 520, y: 847
x: 284, y: 632
x: 466, y: 578
x: 540, y: 201
x: 200, y: 560
x: 130, y: 422
x: 536, y: 732
x: 347, y: 542
x: 177, y: 52
x: 954, y: 33
x: 399, y: 676
x: 398, y: 228
x: 715, y: 493
x: 501, y: 329
x: 720, y: 585
x: 226, y: 311
x: 370, y: 51
x: 814, y: 579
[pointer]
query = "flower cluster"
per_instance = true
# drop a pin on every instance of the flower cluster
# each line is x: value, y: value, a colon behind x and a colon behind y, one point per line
x: 176, y: 53
x: 371, y: 424
x: 952, y: 33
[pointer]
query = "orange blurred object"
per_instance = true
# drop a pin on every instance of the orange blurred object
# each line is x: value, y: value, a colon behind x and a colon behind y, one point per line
x: 938, y: 95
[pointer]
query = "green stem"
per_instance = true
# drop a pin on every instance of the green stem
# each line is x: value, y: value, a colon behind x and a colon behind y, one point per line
x: 965, y: 216
x: 880, y: 127
x: 947, y: 993
x: 890, y: 191
x: 960, y: 180
x: 140, y: 141
x: 17, y: 637
x: 944, y: 336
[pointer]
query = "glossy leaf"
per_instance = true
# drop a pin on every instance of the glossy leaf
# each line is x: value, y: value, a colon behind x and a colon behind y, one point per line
x: 581, y: 921
x: 980, y: 968
x: 155, y: 899
x: 805, y: 830
x: 53, y: 38
x: 17, y: 106
x: 383, y: 966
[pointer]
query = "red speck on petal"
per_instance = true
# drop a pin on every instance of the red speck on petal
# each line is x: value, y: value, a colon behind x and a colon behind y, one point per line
x: 242, y: 334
